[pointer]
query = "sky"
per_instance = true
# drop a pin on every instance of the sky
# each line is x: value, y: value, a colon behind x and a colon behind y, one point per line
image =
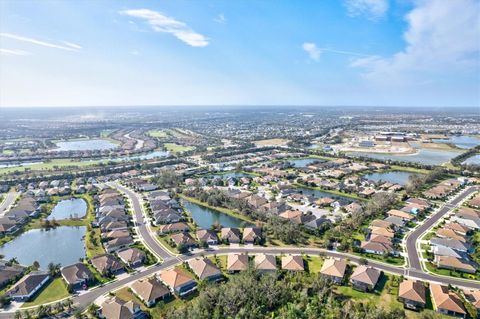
x: 240, y: 52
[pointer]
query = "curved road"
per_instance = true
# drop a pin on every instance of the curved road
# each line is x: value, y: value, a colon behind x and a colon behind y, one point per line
x: 7, y: 202
x: 141, y: 224
x: 412, y: 239
x: 169, y: 260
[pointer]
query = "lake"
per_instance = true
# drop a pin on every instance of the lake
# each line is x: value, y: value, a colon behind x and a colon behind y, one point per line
x: 85, y: 145
x: 74, y: 207
x: 423, y: 156
x: 396, y: 177
x: 320, y: 194
x: 147, y: 156
x: 62, y: 245
x: 461, y: 141
x: 303, y: 162
x: 473, y: 160
x: 206, y: 217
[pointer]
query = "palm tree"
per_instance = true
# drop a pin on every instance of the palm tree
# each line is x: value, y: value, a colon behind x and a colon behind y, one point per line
x: 53, y: 269
x: 13, y: 261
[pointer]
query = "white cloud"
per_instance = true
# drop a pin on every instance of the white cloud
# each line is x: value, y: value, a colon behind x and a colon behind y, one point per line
x: 68, y: 47
x: 220, y: 19
x: 313, y: 51
x: 13, y: 52
x: 73, y: 45
x: 373, y: 9
x: 439, y: 40
x: 162, y: 23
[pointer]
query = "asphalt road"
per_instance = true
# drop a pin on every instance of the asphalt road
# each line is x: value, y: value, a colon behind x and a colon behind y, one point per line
x: 8, y: 200
x: 141, y: 224
x: 411, y: 241
x: 86, y: 298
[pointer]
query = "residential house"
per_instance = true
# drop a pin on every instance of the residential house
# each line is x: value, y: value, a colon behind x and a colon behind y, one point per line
x: 412, y: 294
x: 205, y: 269
x: 265, y: 263
x: 107, y: 264
x: 150, y: 290
x: 365, y: 278
x: 446, y: 302
x: 9, y: 272
x: 179, y: 281
x: 252, y: 235
x: 207, y: 236
x: 334, y: 269
x: 453, y: 263
x: 174, y: 228
x: 231, y: 235
x: 133, y: 257
x: 237, y: 262
x: 118, y: 244
x: 293, y: 263
x: 116, y: 308
x: 183, y: 239
x: 28, y: 286
x: 77, y: 276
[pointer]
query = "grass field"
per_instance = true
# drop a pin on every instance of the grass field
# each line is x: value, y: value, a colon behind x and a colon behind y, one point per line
x: 314, y: 263
x: 272, y: 142
x: 176, y: 148
x: 157, y: 133
x: 55, y: 290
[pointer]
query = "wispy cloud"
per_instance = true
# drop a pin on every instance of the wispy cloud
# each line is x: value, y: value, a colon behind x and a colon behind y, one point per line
x: 372, y: 9
x: 313, y: 51
x: 220, y: 19
x: 72, y: 45
x: 165, y: 24
x: 68, y: 47
x: 13, y: 52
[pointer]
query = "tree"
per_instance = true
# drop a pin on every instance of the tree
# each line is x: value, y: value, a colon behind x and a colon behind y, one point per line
x: 36, y: 265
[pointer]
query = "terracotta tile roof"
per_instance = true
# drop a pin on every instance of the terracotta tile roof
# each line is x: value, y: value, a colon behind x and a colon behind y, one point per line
x: 412, y: 290
x: 292, y: 262
x: 334, y: 267
x: 175, y: 277
x: 236, y: 262
x: 445, y: 299
x: 365, y: 274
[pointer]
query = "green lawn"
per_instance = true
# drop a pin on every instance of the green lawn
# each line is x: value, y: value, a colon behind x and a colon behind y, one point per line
x: 176, y: 148
x: 157, y: 133
x: 55, y: 290
x: 314, y: 263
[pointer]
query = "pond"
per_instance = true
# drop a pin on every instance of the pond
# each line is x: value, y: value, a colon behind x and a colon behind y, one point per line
x: 396, y: 177
x: 303, y: 162
x: 69, y: 208
x: 85, y: 145
x: 423, y: 156
x: 205, y: 217
x: 473, y: 160
x: 147, y: 156
x: 63, y: 245
x: 320, y: 194
x: 461, y: 141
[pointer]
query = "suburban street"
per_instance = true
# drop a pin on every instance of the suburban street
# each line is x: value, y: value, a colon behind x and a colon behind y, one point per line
x: 7, y: 201
x: 412, y: 239
x: 86, y: 298
x: 142, y: 224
